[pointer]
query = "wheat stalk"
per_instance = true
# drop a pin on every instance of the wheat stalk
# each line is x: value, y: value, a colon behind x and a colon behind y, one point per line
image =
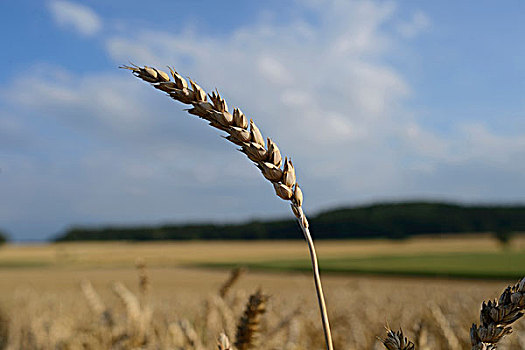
x: 247, y: 135
x: 496, y: 316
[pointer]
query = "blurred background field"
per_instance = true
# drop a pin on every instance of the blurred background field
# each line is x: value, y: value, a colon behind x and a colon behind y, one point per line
x: 443, y: 253
x: 41, y: 289
x: 62, y: 265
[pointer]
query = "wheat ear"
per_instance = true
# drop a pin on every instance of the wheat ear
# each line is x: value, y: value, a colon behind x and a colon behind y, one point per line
x: 397, y: 341
x: 496, y: 316
x: 96, y: 304
x: 190, y: 334
x: 248, y: 325
x: 144, y: 282
x: 223, y: 342
x: 266, y: 156
x: 235, y: 274
x: 445, y: 327
x: 421, y: 336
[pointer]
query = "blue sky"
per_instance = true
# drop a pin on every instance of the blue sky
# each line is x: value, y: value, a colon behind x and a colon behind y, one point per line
x: 373, y: 100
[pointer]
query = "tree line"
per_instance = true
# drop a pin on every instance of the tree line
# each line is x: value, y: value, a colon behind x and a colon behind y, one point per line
x: 387, y: 220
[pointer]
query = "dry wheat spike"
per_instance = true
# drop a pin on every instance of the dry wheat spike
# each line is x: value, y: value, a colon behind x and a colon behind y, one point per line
x: 235, y: 274
x: 266, y: 155
x: 96, y: 304
x: 248, y: 325
x: 445, y: 327
x: 397, y: 341
x: 496, y: 316
x: 129, y: 300
x: 223, y: 342
x: 421, y: 336
x: 144, y: 282
x: 190, y: 334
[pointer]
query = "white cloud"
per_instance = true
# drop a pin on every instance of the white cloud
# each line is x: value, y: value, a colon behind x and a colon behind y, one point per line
x: 76, y: 16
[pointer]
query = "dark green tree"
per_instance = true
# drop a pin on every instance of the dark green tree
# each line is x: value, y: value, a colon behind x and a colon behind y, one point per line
x: 383, y: 220
x: 3, y: 237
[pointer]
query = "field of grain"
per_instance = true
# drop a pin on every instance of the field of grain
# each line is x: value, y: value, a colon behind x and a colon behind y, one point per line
x: 178, y: 253
x: 169, y: 305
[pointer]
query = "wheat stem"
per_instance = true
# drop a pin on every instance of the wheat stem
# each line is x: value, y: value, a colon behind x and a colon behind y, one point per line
x: 317, y: 279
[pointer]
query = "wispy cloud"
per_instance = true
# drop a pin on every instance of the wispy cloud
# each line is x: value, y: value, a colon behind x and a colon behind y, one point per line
x: 78, y: 17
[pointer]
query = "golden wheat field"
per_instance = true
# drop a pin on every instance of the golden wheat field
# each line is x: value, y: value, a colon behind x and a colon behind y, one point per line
x: 144, y: 296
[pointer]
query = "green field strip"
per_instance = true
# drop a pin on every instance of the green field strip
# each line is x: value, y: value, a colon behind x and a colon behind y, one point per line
x: 22, y: 264
x: 498, y: 265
